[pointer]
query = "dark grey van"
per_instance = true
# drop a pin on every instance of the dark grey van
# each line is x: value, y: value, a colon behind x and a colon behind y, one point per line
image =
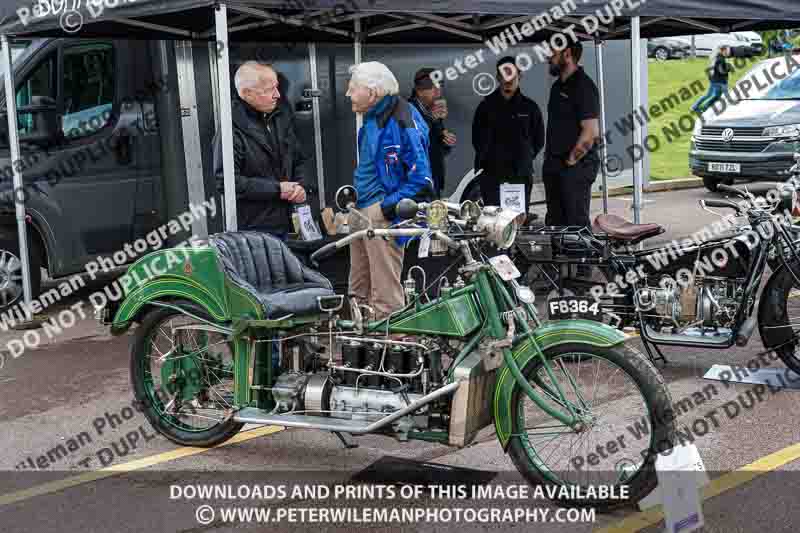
x: 90, y: 156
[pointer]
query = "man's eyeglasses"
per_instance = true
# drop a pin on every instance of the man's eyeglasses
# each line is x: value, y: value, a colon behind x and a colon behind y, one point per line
x: 265, y: 92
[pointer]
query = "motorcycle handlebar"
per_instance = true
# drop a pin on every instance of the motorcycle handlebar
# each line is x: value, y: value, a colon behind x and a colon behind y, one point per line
x: 723, y: 203
x: 328, y: 249
x: 732, y: 190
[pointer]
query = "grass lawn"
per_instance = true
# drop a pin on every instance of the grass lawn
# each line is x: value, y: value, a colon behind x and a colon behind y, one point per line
x: 671, y: 159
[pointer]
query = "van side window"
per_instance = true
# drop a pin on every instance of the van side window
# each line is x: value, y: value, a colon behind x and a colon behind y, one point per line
x: 37, y: 88
x: 89, y: 85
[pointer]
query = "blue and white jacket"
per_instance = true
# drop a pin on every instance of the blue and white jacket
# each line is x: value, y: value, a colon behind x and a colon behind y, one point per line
x: 397, y: 138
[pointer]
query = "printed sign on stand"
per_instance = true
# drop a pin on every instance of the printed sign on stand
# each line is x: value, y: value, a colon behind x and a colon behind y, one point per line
x: 512, y: 197
x: 307, y: 226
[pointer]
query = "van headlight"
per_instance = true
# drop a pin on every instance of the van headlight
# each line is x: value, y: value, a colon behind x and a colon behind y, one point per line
x: 790, y: 130
x: 499, y: 225
x: 698, y: 128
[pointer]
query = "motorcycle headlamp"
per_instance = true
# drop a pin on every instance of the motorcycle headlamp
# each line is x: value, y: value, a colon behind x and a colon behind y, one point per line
x: 499, y: 225
x: 437, y: 215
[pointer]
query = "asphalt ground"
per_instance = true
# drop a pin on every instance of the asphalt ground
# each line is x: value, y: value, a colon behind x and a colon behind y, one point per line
x: 119, y: 475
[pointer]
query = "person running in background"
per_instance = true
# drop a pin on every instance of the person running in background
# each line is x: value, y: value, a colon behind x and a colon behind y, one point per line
x: 718, y: 72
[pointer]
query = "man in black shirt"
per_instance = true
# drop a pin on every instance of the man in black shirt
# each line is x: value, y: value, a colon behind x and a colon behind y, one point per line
x: 571, y: 159
x: 507, y: 134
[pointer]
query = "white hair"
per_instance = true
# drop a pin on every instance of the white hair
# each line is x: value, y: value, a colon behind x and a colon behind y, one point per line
x: 375, y: 76
x: 249, y: 75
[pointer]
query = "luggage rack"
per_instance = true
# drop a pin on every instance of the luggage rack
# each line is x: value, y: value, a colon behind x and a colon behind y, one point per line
x: 556, y: 254
x: 563, y: 244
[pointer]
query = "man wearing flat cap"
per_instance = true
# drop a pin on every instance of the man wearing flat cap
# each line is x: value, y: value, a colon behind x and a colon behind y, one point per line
x: 427, y: 98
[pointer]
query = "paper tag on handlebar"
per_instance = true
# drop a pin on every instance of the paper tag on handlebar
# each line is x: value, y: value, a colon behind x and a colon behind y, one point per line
x: 424, y: 245
x: 504, y: 267
x: 512, y: 197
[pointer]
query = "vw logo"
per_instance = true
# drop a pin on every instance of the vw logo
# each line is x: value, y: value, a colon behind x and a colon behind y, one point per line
x: 727, y: 135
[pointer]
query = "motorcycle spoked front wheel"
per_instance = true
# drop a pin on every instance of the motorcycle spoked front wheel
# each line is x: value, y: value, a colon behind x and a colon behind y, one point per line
x: 183, y: 378
x: 629, y: 411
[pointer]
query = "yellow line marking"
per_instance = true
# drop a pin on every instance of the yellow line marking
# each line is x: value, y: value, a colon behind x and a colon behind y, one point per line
x: 131, y: 466
x: 747, y: 473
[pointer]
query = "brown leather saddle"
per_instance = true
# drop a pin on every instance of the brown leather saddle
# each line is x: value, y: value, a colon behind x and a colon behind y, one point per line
x: 619, y: 229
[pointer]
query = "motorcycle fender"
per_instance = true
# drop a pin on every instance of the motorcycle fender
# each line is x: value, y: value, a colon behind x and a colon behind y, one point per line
x: 188, y: 274
x: 551, y: 334
x: 165, y: 289
x: 772, y: 309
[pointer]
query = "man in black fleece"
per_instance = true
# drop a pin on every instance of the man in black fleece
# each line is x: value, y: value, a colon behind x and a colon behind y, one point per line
x: 507, y: 134
x: 269, y: 164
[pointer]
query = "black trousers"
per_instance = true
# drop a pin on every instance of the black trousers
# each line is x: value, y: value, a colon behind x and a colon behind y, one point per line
x: 490, y: 187
x: 569, y: 191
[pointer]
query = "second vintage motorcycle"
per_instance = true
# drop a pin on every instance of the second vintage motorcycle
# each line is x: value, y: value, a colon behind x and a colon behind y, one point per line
x: 696, y: 292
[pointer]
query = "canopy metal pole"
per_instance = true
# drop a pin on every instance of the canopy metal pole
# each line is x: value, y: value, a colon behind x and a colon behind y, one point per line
x: 598, y: 48
x: 312, y: 56
x: 18, y: 195
x: 636, y: 88
x: 190, y: 132
x: 226, y: 121
x: 357, y: 58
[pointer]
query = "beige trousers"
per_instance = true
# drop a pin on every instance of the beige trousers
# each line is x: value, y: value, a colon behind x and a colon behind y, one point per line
x: 376, y: 266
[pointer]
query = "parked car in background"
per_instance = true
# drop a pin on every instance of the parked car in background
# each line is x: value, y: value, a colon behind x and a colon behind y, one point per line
x: 753, y: 40
x: 750, y: 140
x: 705, y: 44
x: 663, y: 48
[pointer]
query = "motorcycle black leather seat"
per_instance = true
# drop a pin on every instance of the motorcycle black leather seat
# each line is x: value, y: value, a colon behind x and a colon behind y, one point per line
x: 267, y: 269
x: 618, y: 228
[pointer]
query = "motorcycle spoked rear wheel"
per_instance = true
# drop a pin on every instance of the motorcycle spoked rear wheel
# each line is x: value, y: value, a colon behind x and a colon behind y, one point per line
x: 185, y: 388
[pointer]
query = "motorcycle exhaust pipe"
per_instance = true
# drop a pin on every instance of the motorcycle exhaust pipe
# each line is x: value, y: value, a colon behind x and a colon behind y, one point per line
x: 746, y: 331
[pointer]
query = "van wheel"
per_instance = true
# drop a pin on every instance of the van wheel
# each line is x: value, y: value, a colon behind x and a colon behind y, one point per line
x: 11, y: 287
x: 712, y: 183
x: 661, y: 53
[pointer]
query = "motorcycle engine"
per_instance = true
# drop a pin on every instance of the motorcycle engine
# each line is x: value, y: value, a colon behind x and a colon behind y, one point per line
x: 405, y: 374
x: 709, y: 302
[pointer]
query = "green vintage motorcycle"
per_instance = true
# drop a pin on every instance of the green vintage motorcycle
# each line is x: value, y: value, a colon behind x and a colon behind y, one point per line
x: 239, y: 331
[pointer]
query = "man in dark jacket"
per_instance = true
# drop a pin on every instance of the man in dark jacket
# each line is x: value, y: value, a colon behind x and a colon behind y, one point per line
x: 269, y: 163
x: 507, y: 134
x: 426, y: 97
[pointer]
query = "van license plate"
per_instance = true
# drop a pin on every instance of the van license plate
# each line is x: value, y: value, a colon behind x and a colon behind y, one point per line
x: 734, y: 168
x: 572, y: 307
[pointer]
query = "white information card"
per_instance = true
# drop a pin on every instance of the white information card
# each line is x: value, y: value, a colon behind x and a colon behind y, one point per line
x: 512, y: 197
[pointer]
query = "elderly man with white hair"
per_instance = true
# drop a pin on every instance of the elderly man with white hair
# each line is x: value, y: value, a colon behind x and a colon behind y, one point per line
x: 393, y: 165
x: 269, y: 163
